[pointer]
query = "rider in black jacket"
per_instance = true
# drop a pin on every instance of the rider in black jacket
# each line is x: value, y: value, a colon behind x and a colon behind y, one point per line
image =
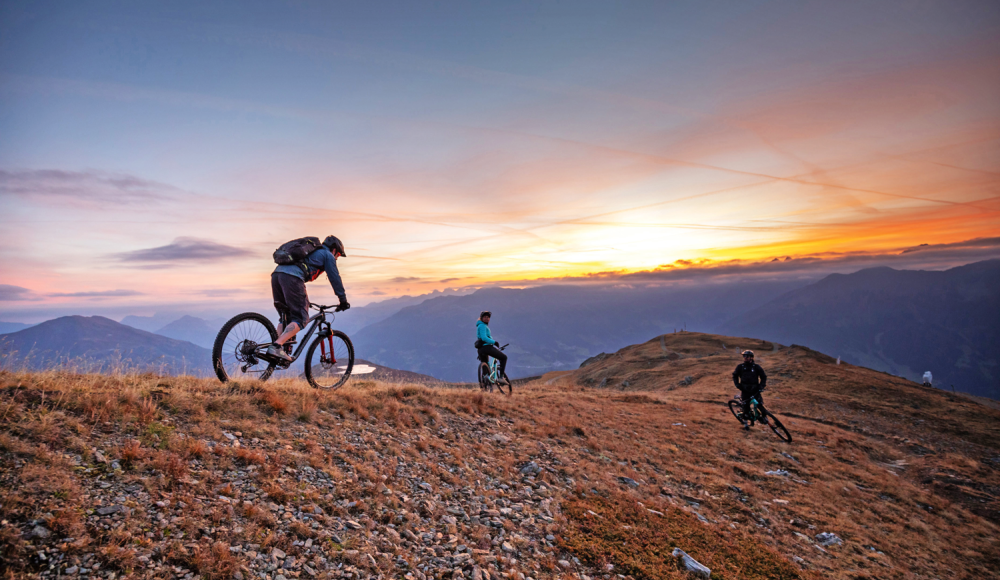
x: 750, y: 379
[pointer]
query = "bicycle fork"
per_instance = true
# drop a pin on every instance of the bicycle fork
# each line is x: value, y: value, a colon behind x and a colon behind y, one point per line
x: 322, y: 350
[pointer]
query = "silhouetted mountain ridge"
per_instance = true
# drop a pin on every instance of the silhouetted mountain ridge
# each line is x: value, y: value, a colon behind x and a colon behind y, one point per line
x: 899, y: 321
x: 98, y: 344
x: 192, y: 329
x: 549, y: 327
x: 8, y: 327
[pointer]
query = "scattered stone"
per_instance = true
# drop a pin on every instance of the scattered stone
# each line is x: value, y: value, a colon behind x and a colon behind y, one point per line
x: 691, y: 565
x: 628, y: 481
x: 779, y: 472
x: 279, y: 554
x: 828, y: 539
x: 40, y: 532
x: 107, y: 511
x: 531, y: 468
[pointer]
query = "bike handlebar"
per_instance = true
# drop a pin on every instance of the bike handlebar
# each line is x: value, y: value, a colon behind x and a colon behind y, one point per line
x: 322, y: 308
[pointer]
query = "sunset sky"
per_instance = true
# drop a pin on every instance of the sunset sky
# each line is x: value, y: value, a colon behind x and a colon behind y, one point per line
x: 153, y: 155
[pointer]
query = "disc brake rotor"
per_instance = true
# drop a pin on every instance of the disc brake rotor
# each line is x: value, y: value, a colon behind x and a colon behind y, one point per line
x: 246, y: 351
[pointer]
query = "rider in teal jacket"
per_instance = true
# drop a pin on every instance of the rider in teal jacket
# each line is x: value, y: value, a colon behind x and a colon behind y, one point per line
x: 487, y: 346
x: 483, y: 332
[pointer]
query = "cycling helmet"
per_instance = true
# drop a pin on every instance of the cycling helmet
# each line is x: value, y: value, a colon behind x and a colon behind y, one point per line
x: 485, y: 313
x: 748, y: 353
x: 334, y: 245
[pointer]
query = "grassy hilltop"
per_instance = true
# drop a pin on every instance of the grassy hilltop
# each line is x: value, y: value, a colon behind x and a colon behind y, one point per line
x: 593, y: 473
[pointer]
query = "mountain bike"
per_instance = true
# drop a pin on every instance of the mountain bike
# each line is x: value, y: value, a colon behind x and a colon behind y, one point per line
x: 489, y: 375
x: 240, y: 350
x: 759, y: 413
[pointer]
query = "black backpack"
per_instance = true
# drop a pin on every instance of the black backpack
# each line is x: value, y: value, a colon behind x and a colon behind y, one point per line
x: 293, y: 252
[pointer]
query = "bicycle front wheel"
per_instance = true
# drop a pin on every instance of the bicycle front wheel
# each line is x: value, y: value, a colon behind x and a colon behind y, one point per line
x: 329, y: 361
x: 504, y: 386
x: 736, y: 406
x: 234, y: 355
x: 777, y: 427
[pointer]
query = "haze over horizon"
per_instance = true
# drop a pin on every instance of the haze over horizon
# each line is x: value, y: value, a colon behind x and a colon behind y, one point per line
x: 153, y: 156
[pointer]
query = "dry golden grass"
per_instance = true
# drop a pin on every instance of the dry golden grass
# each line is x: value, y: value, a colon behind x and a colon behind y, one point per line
x: 639, y: 539
x: 907, y: 477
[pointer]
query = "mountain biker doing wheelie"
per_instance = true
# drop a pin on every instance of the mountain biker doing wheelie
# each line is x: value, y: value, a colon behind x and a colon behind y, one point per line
x: 750, y: 379
x: 487, y: 346
x: 288, y: 288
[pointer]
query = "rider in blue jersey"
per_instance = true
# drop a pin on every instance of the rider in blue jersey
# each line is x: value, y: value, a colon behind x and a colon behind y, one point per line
x: 288, y: 288
x: 487, y: 345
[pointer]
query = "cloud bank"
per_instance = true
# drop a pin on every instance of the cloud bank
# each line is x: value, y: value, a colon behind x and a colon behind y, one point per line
x: 181, y: 251
x: 82, y: 188
x: 923, y: 257
x: 99, y: 294
x: 10, y: 293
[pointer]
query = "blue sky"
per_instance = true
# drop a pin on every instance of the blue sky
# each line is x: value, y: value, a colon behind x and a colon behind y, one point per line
x: 478, y: 143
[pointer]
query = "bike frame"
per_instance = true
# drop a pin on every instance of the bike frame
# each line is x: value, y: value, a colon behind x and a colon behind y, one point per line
x: 494, y: 367
x: 318, y: 320
x: 756, y: 413
x: 494, y: 370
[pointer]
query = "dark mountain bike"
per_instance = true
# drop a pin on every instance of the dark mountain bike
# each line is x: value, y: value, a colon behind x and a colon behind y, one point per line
x: 240, y: 350
x: 759, y: 413
x: 489, y: 375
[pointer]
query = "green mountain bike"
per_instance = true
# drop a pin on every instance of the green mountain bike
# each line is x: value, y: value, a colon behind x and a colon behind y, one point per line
x: 240, y: 350
x: 489, y: 376
x: 759, y: 413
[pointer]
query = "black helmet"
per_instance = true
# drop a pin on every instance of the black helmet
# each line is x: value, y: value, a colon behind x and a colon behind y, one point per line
x: 334, y: 245
x: 485, y: 313
x: 748, y: 353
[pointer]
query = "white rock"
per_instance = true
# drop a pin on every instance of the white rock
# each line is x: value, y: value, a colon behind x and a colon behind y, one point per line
x: 691, y: 565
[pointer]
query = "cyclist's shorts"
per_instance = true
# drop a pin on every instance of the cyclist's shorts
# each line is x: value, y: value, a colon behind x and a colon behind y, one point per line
x: 290, y: 298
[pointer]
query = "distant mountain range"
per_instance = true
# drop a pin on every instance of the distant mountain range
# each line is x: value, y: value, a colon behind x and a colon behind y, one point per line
x: 550, y: 327
x: 150, y: 323
x: 901, y: 322
x: 98, y: 344
x: 358, y: 317
x: 194, y: 330
x: 203, y: 332
x: 6, y: 327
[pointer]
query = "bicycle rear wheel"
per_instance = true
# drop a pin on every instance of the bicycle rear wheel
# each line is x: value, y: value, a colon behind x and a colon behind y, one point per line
x: 484, y: 377
x: 234, y: 354
x: 777, y: 427
x: 329, y: 361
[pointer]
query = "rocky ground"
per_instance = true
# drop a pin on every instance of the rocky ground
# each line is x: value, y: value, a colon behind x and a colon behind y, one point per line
x: 144, y: 476
x: 326, y: 495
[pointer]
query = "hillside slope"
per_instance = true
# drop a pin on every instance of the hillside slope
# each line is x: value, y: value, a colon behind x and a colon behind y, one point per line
x: 98, y: 344
x: 169, y: 476
x: 903, y: 322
